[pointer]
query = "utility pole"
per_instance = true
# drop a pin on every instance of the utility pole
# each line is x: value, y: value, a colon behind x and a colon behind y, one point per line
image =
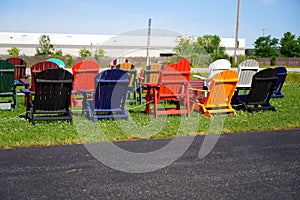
x: 148, y: 42
x: 237, y: 32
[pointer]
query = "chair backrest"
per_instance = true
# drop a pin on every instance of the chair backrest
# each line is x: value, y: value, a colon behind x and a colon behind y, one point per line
x: 59, y: 62
x: 151, y: 73
x: 263, y: 83
x: 117, y: 61
x: 246, y: 70
x: 20, y: 65
x: 222, y: 88
x: 174, y: 80
x: 218, y: 66
x: 7, y: 73
x: 196, y: 84
x: 130, y: 68
x: 111, y: 89
x: 52, y: 90
x: 125, y: 66
x: 281, y: 74
x: 38, y: 67
x: 84, y: 73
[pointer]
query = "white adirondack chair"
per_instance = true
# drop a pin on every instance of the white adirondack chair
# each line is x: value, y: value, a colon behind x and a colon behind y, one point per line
x: 246, y: 70
x: 214, y: 68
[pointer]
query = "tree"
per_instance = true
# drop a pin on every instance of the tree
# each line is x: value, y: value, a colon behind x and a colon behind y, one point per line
x: 290, y: 46
x: 99, y: 53
x: 58, y: 53
x: 14, y: 51
x: 45, y: 48
x: 201, y: 50
x: 265, y: 46
x: 184, y: 46
x: 211, y: 43
x: 85, y: 53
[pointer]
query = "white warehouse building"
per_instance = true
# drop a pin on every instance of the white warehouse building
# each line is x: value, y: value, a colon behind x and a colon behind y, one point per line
x: 131, y: 44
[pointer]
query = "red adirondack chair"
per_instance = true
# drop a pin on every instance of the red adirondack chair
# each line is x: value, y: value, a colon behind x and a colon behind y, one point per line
x: 20, y: 73
x: 172, y: 87
x: 84, y: 73
x: 37, y: 67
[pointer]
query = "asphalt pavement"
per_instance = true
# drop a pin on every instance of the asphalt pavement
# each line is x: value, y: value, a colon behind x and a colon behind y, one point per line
x: 263, y: 165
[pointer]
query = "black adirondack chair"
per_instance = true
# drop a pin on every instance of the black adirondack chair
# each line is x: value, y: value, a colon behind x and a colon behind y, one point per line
x: 51, y: 98
x: 281, y: 74
x: 109, y: 96
x: 262, y: 87
x: 7, y: 86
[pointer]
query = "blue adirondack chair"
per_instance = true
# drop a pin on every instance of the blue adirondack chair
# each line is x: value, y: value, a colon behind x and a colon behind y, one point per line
x: 281, y: 74
x: 111, y: 88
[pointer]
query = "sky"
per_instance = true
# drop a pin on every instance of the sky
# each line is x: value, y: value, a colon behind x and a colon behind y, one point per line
x: 189, y: 17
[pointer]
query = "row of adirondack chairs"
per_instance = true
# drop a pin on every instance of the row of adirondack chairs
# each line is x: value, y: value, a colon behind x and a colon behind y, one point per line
x: 103, y: 95
x: 249, y: 88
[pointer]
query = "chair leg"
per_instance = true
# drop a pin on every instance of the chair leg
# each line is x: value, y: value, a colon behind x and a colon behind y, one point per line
x: 71, y: 118
x: 148, y: 101
x: 187, y: 107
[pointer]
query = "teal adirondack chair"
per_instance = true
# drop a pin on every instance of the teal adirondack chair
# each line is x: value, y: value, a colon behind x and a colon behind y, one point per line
x: 57, y: 61
x: 8, y: 92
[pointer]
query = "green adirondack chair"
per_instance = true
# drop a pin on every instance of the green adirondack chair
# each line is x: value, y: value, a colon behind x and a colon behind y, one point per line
x: 8, y: 92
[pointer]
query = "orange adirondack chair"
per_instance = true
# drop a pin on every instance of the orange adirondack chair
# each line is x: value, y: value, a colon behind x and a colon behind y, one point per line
x: 219, y: 94
x: 173, y: 87
x: 84, y: 73
x: 37, y: 67
x: 20, y: 72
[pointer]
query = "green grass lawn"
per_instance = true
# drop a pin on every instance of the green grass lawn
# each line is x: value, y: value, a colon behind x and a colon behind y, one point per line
x: 15, y: 131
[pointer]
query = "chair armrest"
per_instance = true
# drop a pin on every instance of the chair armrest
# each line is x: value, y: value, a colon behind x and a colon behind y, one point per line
x: 200, y: 77
x: 17, y: 83
x: 25, y: 82
x: 81, y: 91
x: 25, y: 91
x: 197, y: 90
x: 140, y: 81
x: 151, y: 85
x: 140, y: 78
x: 85, y: 93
